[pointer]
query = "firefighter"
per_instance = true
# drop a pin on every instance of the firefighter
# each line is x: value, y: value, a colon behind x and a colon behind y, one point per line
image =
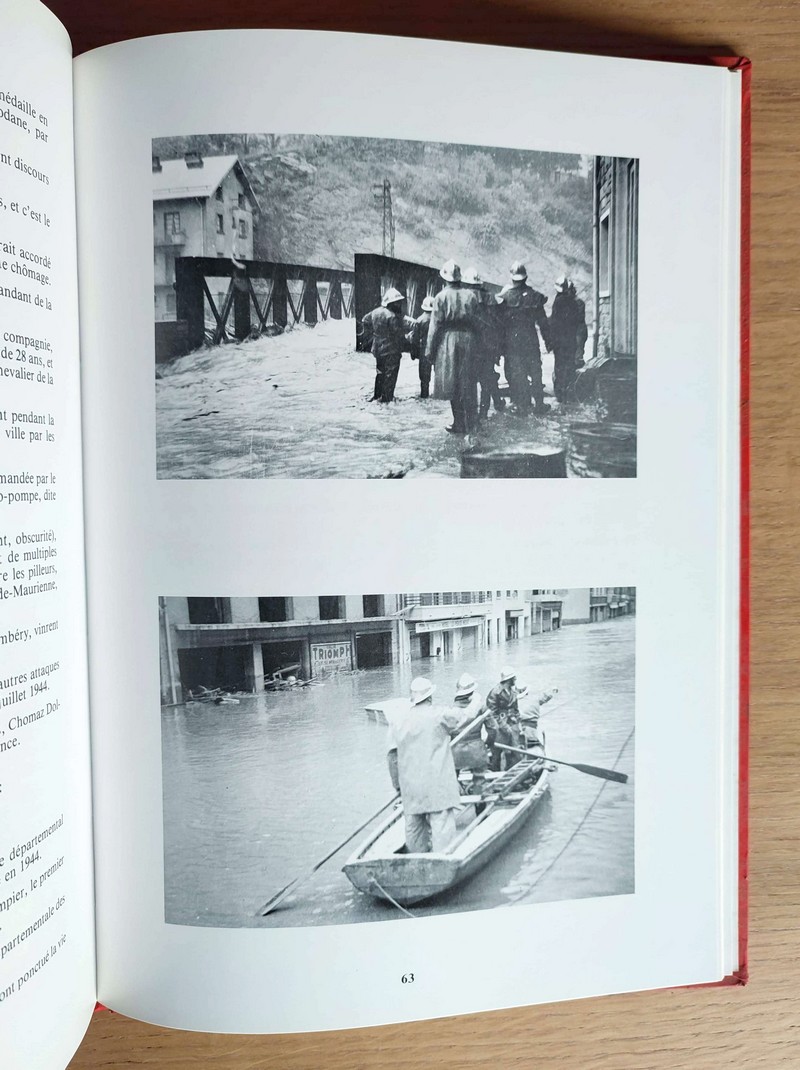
x: 452, y: 344
x: 488, y: 345
x: 419, y: 342
x: 384, y: 332
x: 502, y: 724
x: 568, y: 335
x: 471, y: 753
x: 521, y: 312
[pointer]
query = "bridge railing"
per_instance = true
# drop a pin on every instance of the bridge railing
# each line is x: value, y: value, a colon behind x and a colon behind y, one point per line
x: 374, y: 274
x: 258, y: 293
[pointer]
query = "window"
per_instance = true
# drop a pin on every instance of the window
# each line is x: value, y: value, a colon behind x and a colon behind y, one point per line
x: 273, y: 609
x: 604, y: 252
x: 242, y: 228
x: 172, y: 223
x: 220, y: 223
x: 206, y: 610
x: 373, y: 605
x: 331, y: 607
x: 219, y: 193
x: 171, y: 306
x: 242, y: 201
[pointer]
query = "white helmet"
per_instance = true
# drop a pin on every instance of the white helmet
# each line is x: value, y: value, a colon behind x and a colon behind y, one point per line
x: 391, y: 297
x: 451, y: 272
x: 421, y: 689
x: 465, y: 685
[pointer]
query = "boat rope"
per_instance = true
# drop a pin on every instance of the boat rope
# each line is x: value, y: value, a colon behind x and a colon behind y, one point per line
x: 393, y: 901
x: 580, y: 824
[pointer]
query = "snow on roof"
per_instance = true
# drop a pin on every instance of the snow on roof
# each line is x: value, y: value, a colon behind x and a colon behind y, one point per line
x: 176, y: 181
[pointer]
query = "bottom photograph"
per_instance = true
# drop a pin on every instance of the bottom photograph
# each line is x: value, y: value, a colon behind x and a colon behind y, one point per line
x: 338, y: 759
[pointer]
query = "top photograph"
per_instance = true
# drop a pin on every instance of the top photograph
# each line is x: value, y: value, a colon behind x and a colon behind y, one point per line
x: 368, y: 308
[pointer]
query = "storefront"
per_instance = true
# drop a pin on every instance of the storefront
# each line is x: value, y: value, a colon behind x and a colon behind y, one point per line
x: 445, y: 638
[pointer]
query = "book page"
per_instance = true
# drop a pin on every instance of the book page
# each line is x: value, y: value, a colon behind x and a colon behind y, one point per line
x: 374, y: 359
x: 47, y: 976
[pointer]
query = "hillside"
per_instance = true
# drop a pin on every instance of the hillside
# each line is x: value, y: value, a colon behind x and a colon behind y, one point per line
x: 485, y: 207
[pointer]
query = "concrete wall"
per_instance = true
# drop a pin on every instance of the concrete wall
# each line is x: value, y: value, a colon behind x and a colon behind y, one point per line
x: 575, y: 606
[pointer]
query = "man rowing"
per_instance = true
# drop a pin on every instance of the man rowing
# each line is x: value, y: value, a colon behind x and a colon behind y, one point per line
x: 422, y: 769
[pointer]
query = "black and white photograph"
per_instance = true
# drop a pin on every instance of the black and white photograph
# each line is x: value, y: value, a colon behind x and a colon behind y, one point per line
x: 344, y: 307
x: 340, y: 759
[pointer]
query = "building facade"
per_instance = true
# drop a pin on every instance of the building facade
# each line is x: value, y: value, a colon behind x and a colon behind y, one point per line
x: 242, y: 644
x: 585, y: 605
x: 616, y: 247
x: 451, y: 623
x: 202, y: 206
x: 247, y: 644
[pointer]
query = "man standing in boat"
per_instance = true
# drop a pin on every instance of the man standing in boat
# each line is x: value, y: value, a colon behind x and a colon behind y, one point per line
x: 502, y: 724
x: 422, y: 769
x: 470, y: 753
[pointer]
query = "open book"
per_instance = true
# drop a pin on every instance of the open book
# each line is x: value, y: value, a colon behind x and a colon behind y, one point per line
x: 287, y: 314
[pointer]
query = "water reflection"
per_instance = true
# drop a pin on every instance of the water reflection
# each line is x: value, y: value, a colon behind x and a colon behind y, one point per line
x: 257, y: 793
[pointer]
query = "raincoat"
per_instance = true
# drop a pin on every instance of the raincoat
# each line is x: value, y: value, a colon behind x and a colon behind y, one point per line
x: 521, y: 312
x: 471, y: 752
x: 385, y: 333
x: 502, y: 724
x: 452, y: 337
x: 568, y: 335
x: 425, y: 769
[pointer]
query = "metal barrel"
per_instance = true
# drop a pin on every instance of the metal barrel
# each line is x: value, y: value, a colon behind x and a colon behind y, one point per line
x: 540, y: 463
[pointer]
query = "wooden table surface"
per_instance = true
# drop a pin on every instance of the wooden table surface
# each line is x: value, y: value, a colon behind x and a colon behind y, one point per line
x: 758, y: 1025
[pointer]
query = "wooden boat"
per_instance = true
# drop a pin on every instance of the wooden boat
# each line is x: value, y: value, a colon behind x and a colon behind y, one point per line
x: 382, y: 867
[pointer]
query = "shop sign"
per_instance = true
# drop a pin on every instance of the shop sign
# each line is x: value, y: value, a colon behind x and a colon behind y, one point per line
x: 330, y: 657
x: 446, y: 625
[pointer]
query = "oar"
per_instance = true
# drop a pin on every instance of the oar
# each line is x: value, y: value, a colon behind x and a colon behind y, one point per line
x: 270, y: 904
x: 592, y: 770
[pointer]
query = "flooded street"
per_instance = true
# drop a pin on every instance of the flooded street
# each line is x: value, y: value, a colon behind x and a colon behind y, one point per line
x: 256, y: 793
x: 297, y: 406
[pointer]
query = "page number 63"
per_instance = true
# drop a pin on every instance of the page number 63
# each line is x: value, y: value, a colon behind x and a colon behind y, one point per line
x: 407, y: 979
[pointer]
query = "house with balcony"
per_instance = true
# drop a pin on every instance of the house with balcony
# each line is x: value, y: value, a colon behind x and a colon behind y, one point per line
x: 453, y: 623
x: 202, y: 206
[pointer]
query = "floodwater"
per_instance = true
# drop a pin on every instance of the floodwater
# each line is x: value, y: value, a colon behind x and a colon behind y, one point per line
x: 257, y: 793
x: 298, y: 406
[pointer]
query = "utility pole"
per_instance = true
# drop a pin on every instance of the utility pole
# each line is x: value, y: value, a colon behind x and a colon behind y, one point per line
x: 383, y: 195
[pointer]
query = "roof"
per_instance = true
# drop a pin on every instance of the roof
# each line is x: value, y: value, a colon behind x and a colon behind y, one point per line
x: 175, y: 181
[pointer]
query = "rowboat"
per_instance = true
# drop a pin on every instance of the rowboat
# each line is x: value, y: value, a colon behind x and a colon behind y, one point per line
x: 382, y: 867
